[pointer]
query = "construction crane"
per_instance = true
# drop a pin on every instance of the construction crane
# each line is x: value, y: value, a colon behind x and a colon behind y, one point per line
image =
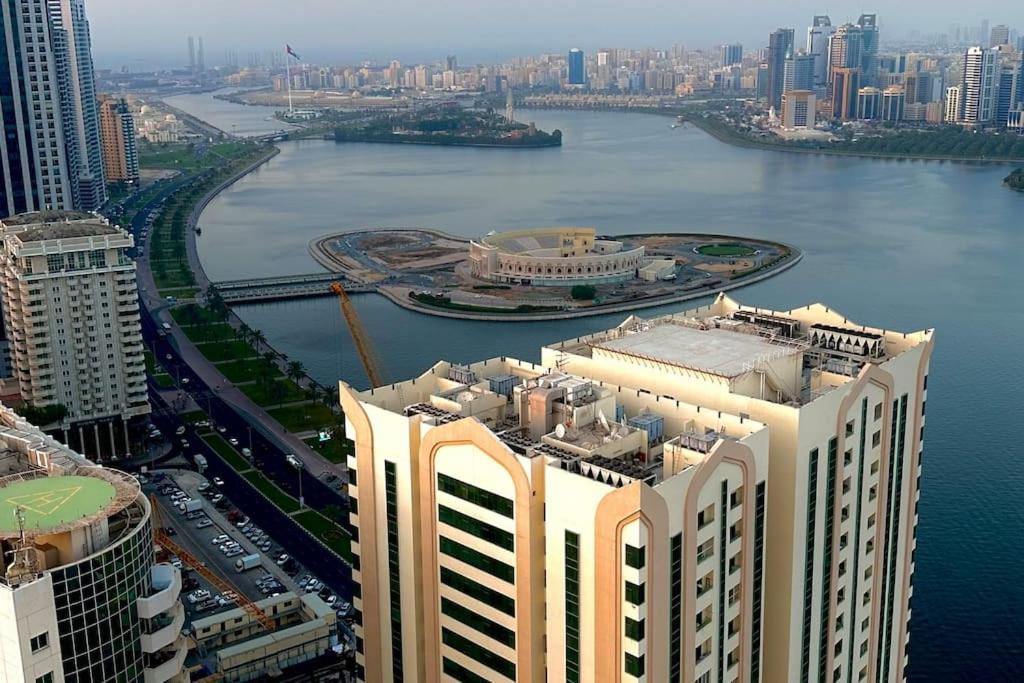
x: 161, y: 538
x: 359, y: 336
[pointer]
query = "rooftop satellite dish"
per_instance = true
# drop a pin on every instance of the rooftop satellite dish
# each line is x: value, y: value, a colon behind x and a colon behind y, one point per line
x: 560, y: 431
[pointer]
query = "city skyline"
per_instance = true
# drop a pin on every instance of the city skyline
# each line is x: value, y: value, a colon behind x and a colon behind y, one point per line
x: 148, y: 38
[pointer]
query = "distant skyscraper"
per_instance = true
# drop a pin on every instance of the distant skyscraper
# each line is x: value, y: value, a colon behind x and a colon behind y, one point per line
x: 818, y: 36
x: 73, y: 49
x: 979, y: 86
x: 868, y: 24
x: 117, y: 129
x: 798, y: 109
x: 844, y: 49
x: 1009, y: 89
x: 732, y: 54
x: 893, y: 103
x: 1000, y: 35
x: 577, y: 70
x: 799, y: 72
x: 780, y: 45
x: 451, y: 63
x: 35, y: 168
x: 192, y: 55
x: 845, y: 88
x: 200, y: 58
x: 869, y: 103
x: 952, y: 114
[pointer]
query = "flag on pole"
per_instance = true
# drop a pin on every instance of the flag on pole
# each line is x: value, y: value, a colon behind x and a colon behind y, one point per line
x: 290, y: 51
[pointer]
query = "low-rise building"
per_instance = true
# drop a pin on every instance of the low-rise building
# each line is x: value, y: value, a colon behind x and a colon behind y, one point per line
x: 244, y: 651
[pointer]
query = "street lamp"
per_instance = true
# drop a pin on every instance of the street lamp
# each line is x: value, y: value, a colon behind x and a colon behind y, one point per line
x: 297, y: 464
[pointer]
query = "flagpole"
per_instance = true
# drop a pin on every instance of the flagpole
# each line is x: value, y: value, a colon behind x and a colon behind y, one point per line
x: 288, y: 77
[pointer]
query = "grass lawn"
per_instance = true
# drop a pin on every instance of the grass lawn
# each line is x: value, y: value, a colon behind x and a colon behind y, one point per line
x: 336, y: 450
x: 181, y: 292
x: 193, y: 314
x: 210, y: 333
x: 150, y: 361
x: 261, y: 394
x: 178, y: 157
x: 725, y: 249
x: 303, y: 417
x: 335, y: 537
x: 228, y: 350
x: 163, y: 380
x: 229, y: 454
x: 276, y: 495
x: 247, y: 370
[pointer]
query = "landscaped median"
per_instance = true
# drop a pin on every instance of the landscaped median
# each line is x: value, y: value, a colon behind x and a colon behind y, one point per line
x: 328, y: 532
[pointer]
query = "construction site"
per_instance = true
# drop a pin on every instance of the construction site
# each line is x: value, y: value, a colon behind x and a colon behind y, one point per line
x: 544, y: 272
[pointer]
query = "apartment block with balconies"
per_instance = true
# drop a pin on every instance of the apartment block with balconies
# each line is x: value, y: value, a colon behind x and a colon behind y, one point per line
x: 71, y: 314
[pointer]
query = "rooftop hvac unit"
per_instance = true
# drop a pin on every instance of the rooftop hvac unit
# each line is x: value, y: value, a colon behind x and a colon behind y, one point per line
x: 462, y: 374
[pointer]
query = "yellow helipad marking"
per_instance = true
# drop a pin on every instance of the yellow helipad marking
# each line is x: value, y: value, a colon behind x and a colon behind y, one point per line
x: 45, y: 502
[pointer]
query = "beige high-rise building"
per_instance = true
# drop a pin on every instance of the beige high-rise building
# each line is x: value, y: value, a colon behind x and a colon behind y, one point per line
x: 118, y: 135
x: 71, y: 313
x: 798, y: 109
x: 727, y: 494
x: 844, y: 405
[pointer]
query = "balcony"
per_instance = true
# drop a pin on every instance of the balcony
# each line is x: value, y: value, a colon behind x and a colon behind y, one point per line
x: 166, y: 664
x: 164, y: 629
x: 166, y: 589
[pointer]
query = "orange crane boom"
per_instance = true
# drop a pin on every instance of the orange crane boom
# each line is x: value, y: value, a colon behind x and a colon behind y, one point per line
x: 359, y: 337
x: 161, y: 538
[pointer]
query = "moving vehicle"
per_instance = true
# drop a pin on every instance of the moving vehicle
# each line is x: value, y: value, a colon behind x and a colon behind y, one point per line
x: 248, y: 562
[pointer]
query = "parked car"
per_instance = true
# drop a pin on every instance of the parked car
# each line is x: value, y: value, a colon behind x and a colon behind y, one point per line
x: 204, y: 523
x: 217, y: 540
x: 217, y: 481
x: 233, y: 441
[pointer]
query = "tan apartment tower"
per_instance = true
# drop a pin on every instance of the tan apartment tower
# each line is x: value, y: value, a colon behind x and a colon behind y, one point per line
x: 519, y: 523
x: 71, y: 314
x: 844, y: 405
x: 117, y: 132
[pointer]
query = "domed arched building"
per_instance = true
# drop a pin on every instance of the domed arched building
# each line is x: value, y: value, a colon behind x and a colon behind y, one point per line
x: 553, y: 256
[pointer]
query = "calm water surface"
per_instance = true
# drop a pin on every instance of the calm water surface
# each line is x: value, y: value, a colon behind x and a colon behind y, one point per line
x: 905, y: 245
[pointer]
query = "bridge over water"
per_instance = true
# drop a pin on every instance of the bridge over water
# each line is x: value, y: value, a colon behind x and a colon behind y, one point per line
x: 309, y: 285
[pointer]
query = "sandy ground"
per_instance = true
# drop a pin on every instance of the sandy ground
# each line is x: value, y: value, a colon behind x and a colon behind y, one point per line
x: 737, y: 265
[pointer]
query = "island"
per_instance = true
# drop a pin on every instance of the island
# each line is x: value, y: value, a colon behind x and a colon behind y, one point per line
x: 446, y: 124
x: 544, y: 273
x: 1015, y: 181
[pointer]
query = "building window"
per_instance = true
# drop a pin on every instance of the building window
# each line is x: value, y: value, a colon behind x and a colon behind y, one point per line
x: 572, y: 607
x: 484, y: 563
x: 634, y: 593
x: 478, y: 622
x: 635, y: 557
x: 475, y: 527
x: 45, y: 678
x: 634, y: 665
x: 394, y: 571
x: 634, y: 629
x: 475, y: 495
x: 478, y: 653
x: 41, y: 641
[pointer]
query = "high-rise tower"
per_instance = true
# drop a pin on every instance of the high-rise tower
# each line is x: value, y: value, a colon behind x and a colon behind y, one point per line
x: 868, y: 24
x: 780, y: 45
x: 979, y: 86
x: 35, y: 164
x: 577, y: 70
x: 818, y: 36
x: 77, y: 81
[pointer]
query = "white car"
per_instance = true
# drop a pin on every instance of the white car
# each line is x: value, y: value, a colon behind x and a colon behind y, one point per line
x: 203, y: 523
x: 233, y: 441
x: 233, y: 553
x: 180, y: 430
x: 223, y: 538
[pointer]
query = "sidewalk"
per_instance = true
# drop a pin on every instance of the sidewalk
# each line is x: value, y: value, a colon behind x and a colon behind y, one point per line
x: 208, y: 372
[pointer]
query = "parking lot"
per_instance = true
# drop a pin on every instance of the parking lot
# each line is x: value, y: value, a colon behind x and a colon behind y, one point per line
x: 203, y: 521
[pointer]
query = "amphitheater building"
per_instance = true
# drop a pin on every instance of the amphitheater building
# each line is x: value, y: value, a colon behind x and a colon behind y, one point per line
x: 554, y: 256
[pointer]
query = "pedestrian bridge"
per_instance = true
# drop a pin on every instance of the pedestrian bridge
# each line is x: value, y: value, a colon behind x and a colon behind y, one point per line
x: 310, y: 285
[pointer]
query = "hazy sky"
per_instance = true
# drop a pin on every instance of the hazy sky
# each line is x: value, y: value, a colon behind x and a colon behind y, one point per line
x: 141, y: 33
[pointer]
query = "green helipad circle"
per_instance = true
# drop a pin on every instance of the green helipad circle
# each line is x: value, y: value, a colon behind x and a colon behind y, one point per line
x: 49, y: 502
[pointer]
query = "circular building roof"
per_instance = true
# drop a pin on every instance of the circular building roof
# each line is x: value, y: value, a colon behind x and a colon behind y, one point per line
x: 51, y: 504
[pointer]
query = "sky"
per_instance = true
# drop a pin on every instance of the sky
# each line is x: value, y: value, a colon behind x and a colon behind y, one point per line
x: 143, y: 34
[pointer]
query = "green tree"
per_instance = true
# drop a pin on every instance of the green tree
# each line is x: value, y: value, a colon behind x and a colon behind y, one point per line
x: 583, y: 292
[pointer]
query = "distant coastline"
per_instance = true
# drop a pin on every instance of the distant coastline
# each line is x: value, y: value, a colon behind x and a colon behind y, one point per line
x: 525, y: 142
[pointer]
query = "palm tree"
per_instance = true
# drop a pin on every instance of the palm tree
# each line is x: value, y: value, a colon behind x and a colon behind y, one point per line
x: 259, y: 339
x: 295, y: 371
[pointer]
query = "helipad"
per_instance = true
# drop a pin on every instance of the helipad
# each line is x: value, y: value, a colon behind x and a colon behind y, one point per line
x: 53, y: 502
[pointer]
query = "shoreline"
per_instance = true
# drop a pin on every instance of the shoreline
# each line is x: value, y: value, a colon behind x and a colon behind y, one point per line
x: 728, y: 137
